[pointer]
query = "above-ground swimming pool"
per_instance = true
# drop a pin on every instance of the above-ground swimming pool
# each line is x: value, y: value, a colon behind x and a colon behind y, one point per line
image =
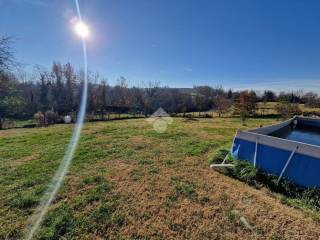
x: 290, y: 149
x: 300, y: 133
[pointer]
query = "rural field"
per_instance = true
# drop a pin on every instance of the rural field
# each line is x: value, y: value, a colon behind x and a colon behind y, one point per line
x: 129, y: 182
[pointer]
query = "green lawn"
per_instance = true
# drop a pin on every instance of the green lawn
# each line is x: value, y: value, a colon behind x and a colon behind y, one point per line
x: 129, y: 182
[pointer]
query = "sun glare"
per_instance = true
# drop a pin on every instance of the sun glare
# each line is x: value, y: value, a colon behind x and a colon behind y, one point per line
x: 82, y: 30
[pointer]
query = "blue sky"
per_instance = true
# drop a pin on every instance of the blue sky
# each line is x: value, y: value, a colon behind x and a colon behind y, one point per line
x: 239, y: 44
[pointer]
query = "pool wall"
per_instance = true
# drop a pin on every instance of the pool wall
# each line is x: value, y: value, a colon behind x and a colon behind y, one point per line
x: 271, y: 154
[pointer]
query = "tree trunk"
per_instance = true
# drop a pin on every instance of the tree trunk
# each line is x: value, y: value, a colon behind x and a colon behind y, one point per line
x: 1, y: 123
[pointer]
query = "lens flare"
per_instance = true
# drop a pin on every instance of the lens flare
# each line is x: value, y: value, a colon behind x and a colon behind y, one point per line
x: 81, y: 29
x: 53, y: 188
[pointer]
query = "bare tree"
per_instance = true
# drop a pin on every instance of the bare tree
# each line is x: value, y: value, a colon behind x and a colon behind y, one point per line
x: 10, y: 101
x: 102, y: 101
x: 70, y: 83
x: 6, y: 54
x: 310, y: 99
x: 223, y: 104
x: 150, y: 91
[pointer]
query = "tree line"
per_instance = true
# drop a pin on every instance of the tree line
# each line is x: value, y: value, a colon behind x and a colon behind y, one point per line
x: 57, y: 92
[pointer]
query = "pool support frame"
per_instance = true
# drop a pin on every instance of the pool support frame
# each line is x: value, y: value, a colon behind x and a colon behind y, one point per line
x: 297, y: 161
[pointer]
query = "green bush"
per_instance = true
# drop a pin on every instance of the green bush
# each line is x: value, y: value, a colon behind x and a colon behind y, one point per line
x: 245, y: 171
x: 218, y: 155
x: 312, y: 197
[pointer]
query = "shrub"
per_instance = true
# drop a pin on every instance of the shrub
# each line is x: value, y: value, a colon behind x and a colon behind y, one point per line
x: 244, y: 114
x: 50, y: 117
x: 286, y: 109
x: 218, y: 155
x: 245, y: 171
x: 9, y: 124
x: 39, y: 119
x: 312, y: 197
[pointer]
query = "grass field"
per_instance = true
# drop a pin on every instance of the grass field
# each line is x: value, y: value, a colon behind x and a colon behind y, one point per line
x: 269, y: 108
x: 129, y: 182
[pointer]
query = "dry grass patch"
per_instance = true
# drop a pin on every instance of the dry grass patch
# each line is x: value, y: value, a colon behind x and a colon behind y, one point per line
x: 21, y: 161
x: 129, y: 182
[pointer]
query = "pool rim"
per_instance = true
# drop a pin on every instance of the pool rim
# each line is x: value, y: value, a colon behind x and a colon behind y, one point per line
x: 260, y: 136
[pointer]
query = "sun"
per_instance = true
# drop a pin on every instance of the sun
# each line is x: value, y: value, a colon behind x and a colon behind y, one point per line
x: 81, y: 29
